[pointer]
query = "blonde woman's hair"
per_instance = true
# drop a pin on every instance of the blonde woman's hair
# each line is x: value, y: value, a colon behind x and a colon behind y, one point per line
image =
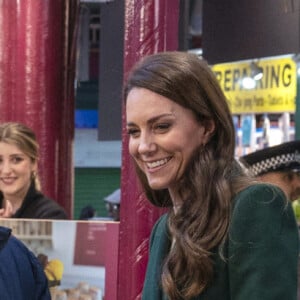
x: 24, y: 138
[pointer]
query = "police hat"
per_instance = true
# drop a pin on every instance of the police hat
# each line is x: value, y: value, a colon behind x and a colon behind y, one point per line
x: 283, y: 157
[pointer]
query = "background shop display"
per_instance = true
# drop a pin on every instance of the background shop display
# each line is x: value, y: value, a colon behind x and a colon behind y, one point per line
x: 262, y: 97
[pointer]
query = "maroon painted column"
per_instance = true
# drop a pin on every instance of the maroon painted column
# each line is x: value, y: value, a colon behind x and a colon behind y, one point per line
x: 150, y: 27
x: 37, y: 69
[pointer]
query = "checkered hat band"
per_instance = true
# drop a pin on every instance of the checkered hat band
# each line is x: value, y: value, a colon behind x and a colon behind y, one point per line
x: 272, y: 163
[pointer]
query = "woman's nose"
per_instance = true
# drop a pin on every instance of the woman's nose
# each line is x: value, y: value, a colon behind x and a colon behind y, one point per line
x: 5, y: 167
x: 146, y: 144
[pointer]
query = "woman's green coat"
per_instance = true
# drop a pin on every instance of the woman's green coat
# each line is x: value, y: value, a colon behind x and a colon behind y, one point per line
x: 261, y: 251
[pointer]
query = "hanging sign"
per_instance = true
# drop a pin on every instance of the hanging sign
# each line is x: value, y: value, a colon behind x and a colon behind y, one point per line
x: 275, y: 92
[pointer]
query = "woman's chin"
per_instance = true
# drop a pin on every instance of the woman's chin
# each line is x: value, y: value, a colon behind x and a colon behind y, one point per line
x: 157, y: 185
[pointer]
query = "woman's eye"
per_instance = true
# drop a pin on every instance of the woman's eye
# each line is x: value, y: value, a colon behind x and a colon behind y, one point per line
x: 17, y: 159
x: 162, y: 126
x: 132, y: 131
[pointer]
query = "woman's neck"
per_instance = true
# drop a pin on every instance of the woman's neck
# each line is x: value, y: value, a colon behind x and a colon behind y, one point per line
x: 177, y: 202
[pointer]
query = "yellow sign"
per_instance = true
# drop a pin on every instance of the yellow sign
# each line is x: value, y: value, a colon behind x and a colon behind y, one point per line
x: 275, y: 92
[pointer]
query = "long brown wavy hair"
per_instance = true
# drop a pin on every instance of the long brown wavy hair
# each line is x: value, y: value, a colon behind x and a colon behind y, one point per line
x: 211, y: 179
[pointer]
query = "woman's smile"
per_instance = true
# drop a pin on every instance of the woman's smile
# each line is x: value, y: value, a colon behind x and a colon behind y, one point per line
x: 8, y: 180
x: 158, y: 163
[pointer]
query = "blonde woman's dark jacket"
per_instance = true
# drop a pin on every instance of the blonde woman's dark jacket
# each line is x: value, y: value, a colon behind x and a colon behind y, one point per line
x: 37, y: 206
x: 261, y: 251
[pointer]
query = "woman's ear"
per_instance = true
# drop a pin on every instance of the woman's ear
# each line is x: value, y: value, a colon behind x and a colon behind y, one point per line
x: 209, y: 129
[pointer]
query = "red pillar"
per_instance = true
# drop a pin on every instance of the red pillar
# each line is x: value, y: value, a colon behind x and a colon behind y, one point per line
x: 36, y: 83
x: 150, y: 27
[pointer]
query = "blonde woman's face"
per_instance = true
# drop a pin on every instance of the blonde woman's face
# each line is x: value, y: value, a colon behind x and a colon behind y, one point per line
x: 16, y: 170
x: 163, y: 135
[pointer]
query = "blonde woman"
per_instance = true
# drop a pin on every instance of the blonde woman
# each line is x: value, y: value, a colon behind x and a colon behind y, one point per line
x: 20, y: 195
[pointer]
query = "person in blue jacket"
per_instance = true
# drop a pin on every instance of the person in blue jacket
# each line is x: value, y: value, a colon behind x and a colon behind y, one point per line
x: 21, y: 275
x: 225, y: 236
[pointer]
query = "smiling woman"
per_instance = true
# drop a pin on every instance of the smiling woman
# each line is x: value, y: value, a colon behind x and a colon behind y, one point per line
x: 163, y: 137
x: 223, y: 231
x: 20, y: 195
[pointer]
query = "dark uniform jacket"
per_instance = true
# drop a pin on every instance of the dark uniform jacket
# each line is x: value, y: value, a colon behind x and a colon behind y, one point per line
x: 261, y: 251
x: 38, y: 206
x: 21, y: 275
